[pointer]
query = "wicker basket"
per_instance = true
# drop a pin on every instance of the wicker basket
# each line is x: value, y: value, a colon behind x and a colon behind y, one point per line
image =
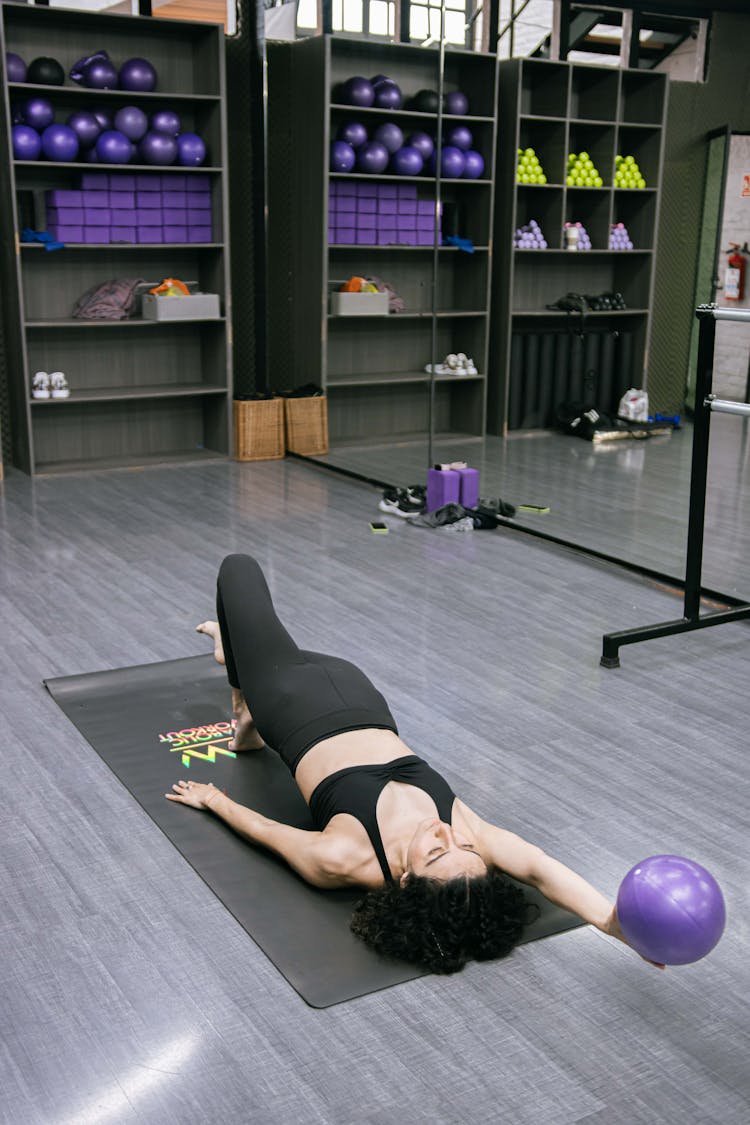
x: 306, y: 425
x: 259, y: 429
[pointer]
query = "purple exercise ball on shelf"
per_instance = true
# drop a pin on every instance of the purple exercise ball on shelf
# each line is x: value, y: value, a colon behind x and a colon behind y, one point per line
x: 191, y: 151
x: 389, y: 135
x: 460, y: 137
x: 452, y: 163
x: 388, y: 95
x: 352, y: 133
x: 474, y: 165
x: 27, y: 144
x: 158, y: 148
x: 166, y: 121
x: 101, y: 74
x: 113, y: 147
x: 423, y: 142
x: 372, y: 158
x: 138, y: 75
x: 15, y: 67
x: 104, y: 117
x: 343, y: 157
x: 379, y: 78
x: 407, y: 161
x: 85, y: 126
x: 358, y: 91
x: 38, y: 113
x: 456, y: 103
x: 60, y: 142
x: 671, y: 910
x: 131, y: 121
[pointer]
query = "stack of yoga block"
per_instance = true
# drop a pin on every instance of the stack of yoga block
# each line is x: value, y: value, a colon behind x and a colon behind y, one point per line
x: 133, y: 207
x: 366, y: 214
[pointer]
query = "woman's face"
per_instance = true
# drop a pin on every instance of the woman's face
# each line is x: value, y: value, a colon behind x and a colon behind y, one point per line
x: 439, y: 851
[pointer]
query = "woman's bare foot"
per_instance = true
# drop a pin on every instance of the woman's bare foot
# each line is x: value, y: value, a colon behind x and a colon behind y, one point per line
x: 211, y: 629
x: 246, y: 736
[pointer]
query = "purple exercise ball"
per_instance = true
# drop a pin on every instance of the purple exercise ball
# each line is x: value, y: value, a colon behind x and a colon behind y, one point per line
x: 358, y: 91
x: 131, y: 121
x: 379, y: 78
x: 60, y: 142
x: 352, y: 133
x: 101, y: 74
x: 671, y: 910
x: 166, y: 121
x: 15, y: 67
x: 423, y: 142
x: 27, y: 144
x: 373, y: 157
x: 38, y: 113
x: 104, y: 117
x: 388, y: 95
x: 158, y: 148
x: 191, y: 151
x: 343, y: 157
x: 113, y: 147
x: 460, y: 137
x: 389, y: 135
x: 138, y: 75
x: 407, y: 161
x: 474, y: 166
x: 85, y: 126
x: 456, y: 103
x: 452, y: 163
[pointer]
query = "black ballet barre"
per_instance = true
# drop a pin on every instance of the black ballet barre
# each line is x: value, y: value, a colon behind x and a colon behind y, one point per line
x: 705, y: 404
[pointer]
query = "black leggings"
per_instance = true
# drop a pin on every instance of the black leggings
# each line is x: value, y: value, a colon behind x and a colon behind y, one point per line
x: 296, y: 698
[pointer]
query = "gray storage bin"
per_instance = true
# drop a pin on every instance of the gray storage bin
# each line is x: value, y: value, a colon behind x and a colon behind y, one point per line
x: 196, y: 306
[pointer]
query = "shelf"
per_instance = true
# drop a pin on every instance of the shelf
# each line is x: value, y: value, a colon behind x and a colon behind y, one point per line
x: 395, y: 179
x: 128, y: 322
x: 542, y: 117
x: 401, y: 246
x: 580, y: 253
x: 576, y: 315
x: 387, y: 378
x: 373, y: 110
x: 127, y: 246
x: 445, y: 313
x: 82, y: 166
x: 49, y: 468
x: 122, y: 394
x: 36, y: 88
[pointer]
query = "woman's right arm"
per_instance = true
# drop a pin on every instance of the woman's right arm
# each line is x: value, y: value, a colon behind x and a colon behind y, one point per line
x: 313, y: 855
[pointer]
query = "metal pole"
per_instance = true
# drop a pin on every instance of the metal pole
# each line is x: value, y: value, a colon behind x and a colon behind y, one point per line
x: 728, y: 406
x: 699, y: 464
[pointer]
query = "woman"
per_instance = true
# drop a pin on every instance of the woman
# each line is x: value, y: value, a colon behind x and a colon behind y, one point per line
x: 433, y: 869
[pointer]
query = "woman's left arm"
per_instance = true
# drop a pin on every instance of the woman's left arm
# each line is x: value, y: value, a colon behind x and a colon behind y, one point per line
x: 313, y: 855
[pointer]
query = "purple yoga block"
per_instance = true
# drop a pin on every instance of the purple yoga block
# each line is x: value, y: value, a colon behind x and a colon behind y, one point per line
x: 387, y: 191
x: 121, y: 181
x: 96, y: 181
x: 407, y: 191
x: 346, y: 205
x: 367, y: 191
x: 173, y: 181
x: 425, y: 207
x: 367, y: 206
x: 147, y: 181
x: 122, y: 216
x: 469, y: 490
x: 122, y: 234
x: 96, y: 234
x: 425, y: 222
x: 424, y: 238
x: 65, y: 216
x: 332, y: 239
x: 97, y: 216
x: 366, y: 238
x: 387, y: 236
x: 407, y: 206
x: 95, y: 198
x: 149, y: 234
x: 346, y: 191
x: 197, y: 181
x: 443, y: 487
x: 199, y: 234
x: 150, y: 218
x: 175, y: 234
x: 148, y: 199
x: 122, y: 199
x: 406, y: 223
x: 64, y: 198
x: 367, y: 222
x: 67, y: 234
x: 197, y: 218
x: 333, y: 189
x: 387, y: 206
x: 174, y: 199
x: 177, y: 216
x: 345, y: 235
x: 199, y: 199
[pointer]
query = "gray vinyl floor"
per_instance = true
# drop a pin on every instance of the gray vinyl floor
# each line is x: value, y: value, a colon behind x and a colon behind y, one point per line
x: 628, y: 499
x: 129, y: 994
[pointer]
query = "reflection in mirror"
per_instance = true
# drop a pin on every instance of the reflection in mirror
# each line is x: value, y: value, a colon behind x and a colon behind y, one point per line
x: 210, y: 11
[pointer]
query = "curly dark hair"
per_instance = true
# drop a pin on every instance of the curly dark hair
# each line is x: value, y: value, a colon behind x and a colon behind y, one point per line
x: 442, y: 925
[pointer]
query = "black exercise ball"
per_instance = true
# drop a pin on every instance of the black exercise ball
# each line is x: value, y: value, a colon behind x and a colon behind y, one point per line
x: 425, y: 101
x: 45, y: 71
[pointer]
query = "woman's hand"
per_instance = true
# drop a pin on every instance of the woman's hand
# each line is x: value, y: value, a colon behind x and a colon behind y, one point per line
x: 193, y: 793
x: 613, y: 928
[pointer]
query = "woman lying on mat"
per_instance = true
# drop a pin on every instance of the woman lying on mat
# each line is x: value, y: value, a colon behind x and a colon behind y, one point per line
x: 434, y: 870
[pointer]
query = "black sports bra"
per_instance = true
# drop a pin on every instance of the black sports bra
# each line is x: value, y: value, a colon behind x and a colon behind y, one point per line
x: 356, y: 790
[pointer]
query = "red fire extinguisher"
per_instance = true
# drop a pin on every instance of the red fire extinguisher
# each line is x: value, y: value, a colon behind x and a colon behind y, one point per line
x: 734, y: 277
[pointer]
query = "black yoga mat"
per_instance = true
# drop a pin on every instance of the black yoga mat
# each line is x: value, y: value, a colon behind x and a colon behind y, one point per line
x: 155, y: 723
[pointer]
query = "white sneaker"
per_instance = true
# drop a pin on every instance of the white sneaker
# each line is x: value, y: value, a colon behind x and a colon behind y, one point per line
x: 40, y: 385
x: 59, y: 385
